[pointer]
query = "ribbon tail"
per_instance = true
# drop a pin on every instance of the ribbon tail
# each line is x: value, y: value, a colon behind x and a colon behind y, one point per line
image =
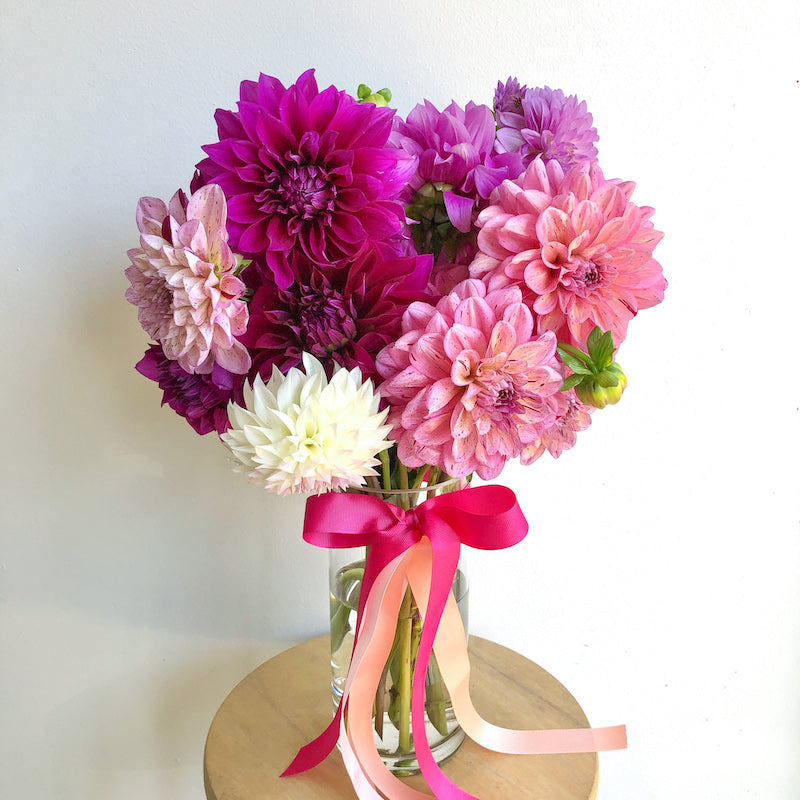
x: 365, y: 767
x: 435, y: 566
x: 451, y: 653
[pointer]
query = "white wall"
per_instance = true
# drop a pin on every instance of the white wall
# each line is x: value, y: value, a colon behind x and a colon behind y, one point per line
x: 140, y: 578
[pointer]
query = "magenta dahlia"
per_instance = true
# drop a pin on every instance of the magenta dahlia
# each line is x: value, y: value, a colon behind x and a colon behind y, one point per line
x: 546, y: 123
x: 202, y: 400
x: 576, y: 245
x: 307, y: 171
x: 341, y: 316
x: 468, y: 381
x: 456, y: 170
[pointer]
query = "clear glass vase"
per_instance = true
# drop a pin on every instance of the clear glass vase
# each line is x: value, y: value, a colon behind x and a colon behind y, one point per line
x: 392, y: 707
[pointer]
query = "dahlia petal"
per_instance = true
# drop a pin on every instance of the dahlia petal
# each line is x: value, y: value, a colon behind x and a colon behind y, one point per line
x: 459, y: 209
x: 475, y: 312
x: 519, y: 233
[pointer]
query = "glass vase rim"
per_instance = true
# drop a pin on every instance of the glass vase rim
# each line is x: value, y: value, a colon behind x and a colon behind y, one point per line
x: 432, y: 487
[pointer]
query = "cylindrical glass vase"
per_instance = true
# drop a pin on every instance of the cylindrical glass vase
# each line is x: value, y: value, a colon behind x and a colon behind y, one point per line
x: 392, y: 707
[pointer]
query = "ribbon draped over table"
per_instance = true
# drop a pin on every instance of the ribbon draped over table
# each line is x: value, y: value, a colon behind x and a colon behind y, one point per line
x: 420, y: 548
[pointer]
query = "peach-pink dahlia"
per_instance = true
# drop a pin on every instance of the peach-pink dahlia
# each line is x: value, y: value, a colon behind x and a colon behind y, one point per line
x: 578, y: 247
x: 184, y: 284
x: 467, y: 381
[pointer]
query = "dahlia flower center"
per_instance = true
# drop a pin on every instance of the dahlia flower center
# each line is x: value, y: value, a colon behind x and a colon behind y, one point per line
x: 302, y: 190
x: 585, y: 277
x: 324, y: 322
x: 506, y: 400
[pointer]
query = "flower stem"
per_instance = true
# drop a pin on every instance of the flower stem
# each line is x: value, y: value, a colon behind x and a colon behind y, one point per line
x: 386, y: 470
x: 404, y: 721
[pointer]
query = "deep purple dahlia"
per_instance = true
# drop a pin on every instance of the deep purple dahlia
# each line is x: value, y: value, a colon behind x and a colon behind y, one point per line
x: 548, y: 124
x: 341, y: 316
x: 201, y: 399
x: 305, y: 170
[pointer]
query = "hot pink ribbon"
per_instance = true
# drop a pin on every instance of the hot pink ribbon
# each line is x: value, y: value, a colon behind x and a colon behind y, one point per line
x: 421, y: 547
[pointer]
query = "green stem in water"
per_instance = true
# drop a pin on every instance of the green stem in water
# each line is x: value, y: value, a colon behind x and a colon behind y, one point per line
x: 404, y: 727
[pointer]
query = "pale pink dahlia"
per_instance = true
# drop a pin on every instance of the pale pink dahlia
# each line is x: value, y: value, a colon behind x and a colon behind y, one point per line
x: 581, y: 251
x: 545, y: 122
x: 468, y: 381
x: 571, y: 417
x: 184, y: 283
x: 305, y: 170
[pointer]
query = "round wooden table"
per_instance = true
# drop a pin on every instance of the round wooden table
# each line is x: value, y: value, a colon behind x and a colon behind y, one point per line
x: 286, y: 702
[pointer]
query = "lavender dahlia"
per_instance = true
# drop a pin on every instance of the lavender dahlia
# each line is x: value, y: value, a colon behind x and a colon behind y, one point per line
x: 306, y: 171
x: 546, y: 123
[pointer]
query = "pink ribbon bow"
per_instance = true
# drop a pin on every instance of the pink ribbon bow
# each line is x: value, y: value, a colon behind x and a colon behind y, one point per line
x: 420, y: 548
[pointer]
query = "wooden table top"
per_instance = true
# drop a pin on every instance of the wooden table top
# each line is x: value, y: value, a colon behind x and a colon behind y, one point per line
x: 286, y: 702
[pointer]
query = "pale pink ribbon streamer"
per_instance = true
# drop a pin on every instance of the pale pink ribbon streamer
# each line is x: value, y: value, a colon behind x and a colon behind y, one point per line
x: 376, y: 632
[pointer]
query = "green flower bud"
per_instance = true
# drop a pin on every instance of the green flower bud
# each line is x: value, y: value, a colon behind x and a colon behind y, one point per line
x: 602, y: 389
x: 379, y: 98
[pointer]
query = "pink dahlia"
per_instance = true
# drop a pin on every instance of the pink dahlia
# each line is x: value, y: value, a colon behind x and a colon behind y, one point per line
x: 202, y: 400
x: 581, y: 251
x: 305, y: 170
x: 341, y: 316
x: 468, y: 381
x: 546, y: 123
x: 456, y: 169
x: 183, y: 281
x: 571, y: 417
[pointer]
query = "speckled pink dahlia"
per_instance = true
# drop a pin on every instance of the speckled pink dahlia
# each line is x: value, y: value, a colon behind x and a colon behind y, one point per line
x: 546, y: 123
x: 184, y: 284
x: 581, y: 251
x: 305, y: 170
x: 571, y: 417
x: 468, y: 381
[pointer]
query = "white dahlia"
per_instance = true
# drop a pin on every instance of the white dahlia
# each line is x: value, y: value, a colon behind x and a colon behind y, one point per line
x: 300, y: 432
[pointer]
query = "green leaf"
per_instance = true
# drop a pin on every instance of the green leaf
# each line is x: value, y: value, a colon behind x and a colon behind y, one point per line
x: 602, y: 350
x: 594, y: 338
x: 608, y: 379
x: 363, y: 91
x: 570, y: 382
x: 575, y: 364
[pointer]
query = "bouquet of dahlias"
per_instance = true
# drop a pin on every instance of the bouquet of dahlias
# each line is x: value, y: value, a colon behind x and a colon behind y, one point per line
x: 351, y: 299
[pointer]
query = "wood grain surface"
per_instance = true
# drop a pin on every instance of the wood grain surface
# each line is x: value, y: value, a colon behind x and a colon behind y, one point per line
x: 286, y: 702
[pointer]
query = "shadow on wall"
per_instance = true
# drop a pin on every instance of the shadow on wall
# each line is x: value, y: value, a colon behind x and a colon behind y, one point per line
x: 138, y: 517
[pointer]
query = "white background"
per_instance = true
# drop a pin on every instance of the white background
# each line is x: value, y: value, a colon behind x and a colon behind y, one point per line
x: 140, y: 578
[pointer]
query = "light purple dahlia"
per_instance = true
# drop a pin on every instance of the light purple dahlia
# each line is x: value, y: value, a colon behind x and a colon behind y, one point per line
x: 548, y: 124
x: 456, y: 170
x: 305, y: 170
x: 508, y: 96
